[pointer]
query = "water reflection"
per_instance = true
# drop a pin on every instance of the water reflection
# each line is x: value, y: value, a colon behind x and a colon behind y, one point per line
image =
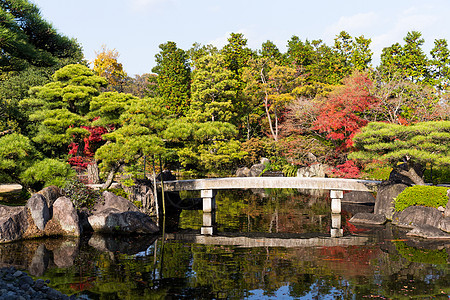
x: 273, y: 247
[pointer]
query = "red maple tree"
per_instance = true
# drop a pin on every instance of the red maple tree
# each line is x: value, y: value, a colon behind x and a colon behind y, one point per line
x: 347, y: 110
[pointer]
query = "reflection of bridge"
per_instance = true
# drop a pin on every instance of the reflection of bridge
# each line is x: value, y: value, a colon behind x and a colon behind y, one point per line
x: 208, y: 188
x: 261, y: 241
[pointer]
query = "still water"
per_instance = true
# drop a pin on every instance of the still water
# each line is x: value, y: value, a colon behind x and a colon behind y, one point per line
x: 270, y: 245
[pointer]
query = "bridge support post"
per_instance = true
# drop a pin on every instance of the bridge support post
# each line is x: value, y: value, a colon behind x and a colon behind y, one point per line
x: 336, y: 197
x: 209, y: 212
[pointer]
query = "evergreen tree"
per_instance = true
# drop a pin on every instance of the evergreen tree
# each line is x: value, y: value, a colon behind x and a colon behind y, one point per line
x: 416, y: 145
x: 26, y: 39
x: 174, y: 77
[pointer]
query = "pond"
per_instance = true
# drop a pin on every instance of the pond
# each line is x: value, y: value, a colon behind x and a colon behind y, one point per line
x: 270, y: 245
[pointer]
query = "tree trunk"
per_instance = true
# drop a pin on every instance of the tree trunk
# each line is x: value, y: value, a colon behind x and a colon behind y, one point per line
x: 92, y: 173
x: 110, y: 178
x: 411, y: 173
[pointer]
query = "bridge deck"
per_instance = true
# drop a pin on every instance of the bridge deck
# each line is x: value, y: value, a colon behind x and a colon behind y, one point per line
x: 271, y: 182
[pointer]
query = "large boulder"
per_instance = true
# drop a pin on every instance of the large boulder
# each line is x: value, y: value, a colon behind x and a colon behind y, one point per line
x: 444, y: 224
x: 65, y: 215
x: 13, y: 223
x: 37, y: 205
x: 314, y: 170
x: 358, y: 197
x: 256, y: 170
x: 111, y: 220
x: 428, y: 232
x: 243, y: 172
x: 414, y: 216
x: 51, y: 193
x: 115, y: 202
x: 387, y: 192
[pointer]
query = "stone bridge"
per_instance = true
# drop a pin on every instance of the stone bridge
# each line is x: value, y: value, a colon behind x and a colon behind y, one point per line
x: 209, y: 186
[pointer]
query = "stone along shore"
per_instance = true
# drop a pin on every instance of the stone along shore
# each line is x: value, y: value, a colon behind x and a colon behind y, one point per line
x: 17, y: 285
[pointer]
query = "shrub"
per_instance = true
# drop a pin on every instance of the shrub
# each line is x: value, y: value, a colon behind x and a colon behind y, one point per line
x: 376, y: 170
x: 119, y: 192
x: 431, y: 196
x: 81, y: 195
x: 47, y: 172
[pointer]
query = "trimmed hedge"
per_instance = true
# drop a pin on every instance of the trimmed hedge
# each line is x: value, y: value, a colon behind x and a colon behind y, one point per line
x: 431, y: 196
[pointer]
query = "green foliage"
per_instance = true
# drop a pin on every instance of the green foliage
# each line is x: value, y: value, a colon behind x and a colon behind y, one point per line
x: 47, y: 172
x: 16, y: 155
x: 422, y: 143
x: 290, y: 170
x: 424, y: 256
x: 214, y: 90
x: 431, y: 196
x: 205, y: 147
x: 174, y: 77
x: 59, y: 107
x: 376, y: 171
x: 27, y: 39
x: 142, y: 122
x: 81, y: 195
x: 119, y: 192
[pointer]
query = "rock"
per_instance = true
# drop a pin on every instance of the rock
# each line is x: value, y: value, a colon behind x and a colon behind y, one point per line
x: 142, y: 191
x: 358, y: 197
x: 414, y: 216
x: 116, y: 202
x: 444, y: 224
x: 384, y: 203
x: 368, y: 218
x: 112, y: 220
x: 314, y: 170
x: 38, y: 208
x: 428, y: 232
x: 51, y: 193
x: 264, y: 161
x: 447, y: 207
x: 257, y: 169
x: 243, y: 172
x: 354, y: 208
x: 13, y: 223
x: 65, y: 214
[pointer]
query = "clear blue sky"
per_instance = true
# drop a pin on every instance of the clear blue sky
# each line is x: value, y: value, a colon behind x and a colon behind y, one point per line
x: 135, y: 28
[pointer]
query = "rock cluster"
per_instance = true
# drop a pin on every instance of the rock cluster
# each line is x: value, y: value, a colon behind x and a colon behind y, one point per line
x: 50, y: 213
x: 15, y: 284
x: 424, y: 222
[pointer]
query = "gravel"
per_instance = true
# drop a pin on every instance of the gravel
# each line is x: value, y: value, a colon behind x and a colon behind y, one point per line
x: 17, y: 285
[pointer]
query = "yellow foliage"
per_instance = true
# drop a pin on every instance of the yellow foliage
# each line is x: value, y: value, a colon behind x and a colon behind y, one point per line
x: 106, y: 65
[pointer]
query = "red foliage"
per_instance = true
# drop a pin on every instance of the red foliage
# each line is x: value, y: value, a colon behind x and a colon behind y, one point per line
x: 342, y: 115
x: 346, y: 170
x: 91, y: 143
